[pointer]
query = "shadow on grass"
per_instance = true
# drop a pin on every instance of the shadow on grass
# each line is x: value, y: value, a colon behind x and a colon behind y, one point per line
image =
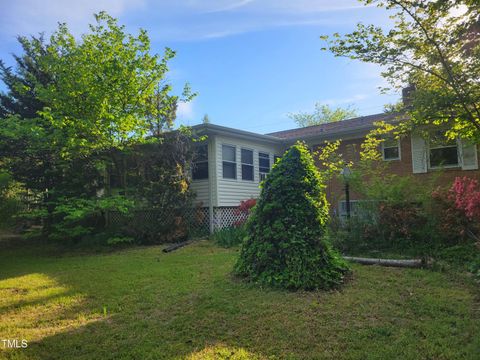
x: 143, y: 304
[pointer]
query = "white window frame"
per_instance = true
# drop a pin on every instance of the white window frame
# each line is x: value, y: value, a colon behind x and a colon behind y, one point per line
x: 231, y: 162
x: 429, y: 148
x: 246, y: 164
x: 399, y: 147
x: 261, y: 174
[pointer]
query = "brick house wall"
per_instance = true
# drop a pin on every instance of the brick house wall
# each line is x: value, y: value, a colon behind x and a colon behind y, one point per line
x: 350, y: 149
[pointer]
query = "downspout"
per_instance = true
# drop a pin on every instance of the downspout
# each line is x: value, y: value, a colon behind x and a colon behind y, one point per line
x: 210, y: 189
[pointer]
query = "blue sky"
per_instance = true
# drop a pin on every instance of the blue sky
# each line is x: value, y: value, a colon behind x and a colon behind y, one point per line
x: 251, y: 61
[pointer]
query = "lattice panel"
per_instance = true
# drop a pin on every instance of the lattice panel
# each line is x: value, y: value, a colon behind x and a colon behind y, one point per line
x: 225, y: 217
x: 198, y: 221
x: 195, y: 221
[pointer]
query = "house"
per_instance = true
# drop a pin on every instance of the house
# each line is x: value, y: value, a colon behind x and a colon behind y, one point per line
x: 231, y: 163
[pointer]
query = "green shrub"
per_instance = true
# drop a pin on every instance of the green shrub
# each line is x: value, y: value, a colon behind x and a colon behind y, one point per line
x: 120, y: 240
x: 75, y: 219
x: 474, y: 267
x: 231, y: 236
x: 285, y: 244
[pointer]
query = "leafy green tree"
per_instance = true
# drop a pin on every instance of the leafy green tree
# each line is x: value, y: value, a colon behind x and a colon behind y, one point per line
x: 286, y: 246
x: 433, y: 47
x: 104, y: 86
x: 322, y: 114
x: 71, y: 109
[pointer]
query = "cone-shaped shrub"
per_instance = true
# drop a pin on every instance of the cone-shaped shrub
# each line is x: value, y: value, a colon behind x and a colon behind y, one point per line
x: 286, y: 246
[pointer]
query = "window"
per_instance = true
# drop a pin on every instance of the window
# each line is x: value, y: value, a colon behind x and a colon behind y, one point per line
x: 200, y: 163
x: 391, y: 149
x: 263, y: 165
x: 247, y: 164
x: 229, y: 159
x: 442, y: 151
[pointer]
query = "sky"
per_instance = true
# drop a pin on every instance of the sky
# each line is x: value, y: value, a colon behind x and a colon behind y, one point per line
x: 252, y: 62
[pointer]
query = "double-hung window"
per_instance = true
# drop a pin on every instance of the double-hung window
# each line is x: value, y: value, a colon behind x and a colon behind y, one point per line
x: 443, y: 152
x: 247, y: 164
x: 200, y: 163
x: 391, y: 149
x: 229, y: 162
x: 263, y: 165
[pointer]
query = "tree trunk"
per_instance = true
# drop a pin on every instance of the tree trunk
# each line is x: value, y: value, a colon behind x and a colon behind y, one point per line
x: 411, y: 263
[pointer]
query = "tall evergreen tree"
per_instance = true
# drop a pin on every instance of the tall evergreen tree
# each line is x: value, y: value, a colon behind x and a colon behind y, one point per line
x: 22, y: 81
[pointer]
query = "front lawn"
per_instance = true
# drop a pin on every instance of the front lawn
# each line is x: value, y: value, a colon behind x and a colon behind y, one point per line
x: 144, y: 304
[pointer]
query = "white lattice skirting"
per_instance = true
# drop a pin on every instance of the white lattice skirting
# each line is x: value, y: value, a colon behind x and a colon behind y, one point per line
x: 224, y: 217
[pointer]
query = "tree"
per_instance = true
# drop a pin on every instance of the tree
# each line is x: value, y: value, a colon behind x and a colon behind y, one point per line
x: 165, y: 108
x: 104, y: 86
x: 73, y: 107
x: 21, y: 97
x: 434, y: 47
x: 27, y: 141
x: 206, y: 119
x: 322, y: 114
x: 286, y: 245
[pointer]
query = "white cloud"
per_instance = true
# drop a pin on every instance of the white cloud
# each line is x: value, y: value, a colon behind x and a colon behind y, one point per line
x: 274, y: 6
x: 33, y: 16
x: 180, y: 20
x: 232, y: 6
x: 347, y: 100
x: 185, y: 111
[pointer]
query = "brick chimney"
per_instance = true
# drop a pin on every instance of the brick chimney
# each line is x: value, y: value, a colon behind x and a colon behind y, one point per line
x: 407, y: 93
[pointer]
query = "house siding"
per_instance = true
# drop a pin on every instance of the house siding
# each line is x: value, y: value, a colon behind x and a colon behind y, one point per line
x: 229, y: 191
x: 202, y: 188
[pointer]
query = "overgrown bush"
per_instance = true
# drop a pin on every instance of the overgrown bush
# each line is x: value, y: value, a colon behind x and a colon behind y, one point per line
x: 404, y: 216
x: 285, y: 244
x: 77, y: 218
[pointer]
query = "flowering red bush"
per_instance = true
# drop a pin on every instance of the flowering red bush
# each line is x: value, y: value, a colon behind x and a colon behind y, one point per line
x: 243, y: 211
x: 465, y: 193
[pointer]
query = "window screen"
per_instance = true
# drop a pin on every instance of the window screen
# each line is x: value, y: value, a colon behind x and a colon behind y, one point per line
x: 263, y: 165
x: 247, y: 164
x: 229, y: 162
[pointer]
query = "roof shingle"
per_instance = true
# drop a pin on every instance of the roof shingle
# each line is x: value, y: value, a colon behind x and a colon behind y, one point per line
x: 359, y: 123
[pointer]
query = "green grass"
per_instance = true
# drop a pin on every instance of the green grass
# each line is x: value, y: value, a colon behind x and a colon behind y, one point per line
x: 143, y: 304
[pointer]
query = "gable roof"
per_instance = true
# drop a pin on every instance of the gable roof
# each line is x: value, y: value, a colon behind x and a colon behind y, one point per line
x: 333, y: 129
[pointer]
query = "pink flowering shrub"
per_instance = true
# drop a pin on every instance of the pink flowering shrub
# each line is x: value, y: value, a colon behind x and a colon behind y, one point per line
x: 465, y: 194
x: 457, y: 210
